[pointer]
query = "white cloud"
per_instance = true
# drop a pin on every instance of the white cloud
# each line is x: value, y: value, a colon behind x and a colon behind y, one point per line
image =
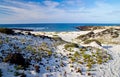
x: 21, y: 12
x: 51, y: 4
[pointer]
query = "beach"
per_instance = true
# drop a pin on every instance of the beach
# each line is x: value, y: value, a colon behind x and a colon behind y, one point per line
x: 90, y: 53
x: 59, y: 38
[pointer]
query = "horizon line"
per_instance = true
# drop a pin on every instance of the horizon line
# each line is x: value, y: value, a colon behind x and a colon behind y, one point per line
x: 55, y: 23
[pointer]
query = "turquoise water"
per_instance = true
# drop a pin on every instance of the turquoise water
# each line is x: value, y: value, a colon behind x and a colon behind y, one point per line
x: 57, y: 27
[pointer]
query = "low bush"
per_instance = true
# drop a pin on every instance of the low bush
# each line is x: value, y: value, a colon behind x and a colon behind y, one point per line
x: 115, y: 35
x: 92, y: 40
x: 83, y: 49
x: 71, y: 45
x: 99, y: 56
x: 23, y: 75
x: 86, y: 36
x: 16, y: 73
x: 49, y: 53
x: 30, y: 48
x: 1, y: 42
x: 77, y: 54
x: 81, y: 36
x: 18, y: 67
x: 18, y: 59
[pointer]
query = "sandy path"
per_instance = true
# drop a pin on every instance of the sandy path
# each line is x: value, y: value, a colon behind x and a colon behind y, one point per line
x: 112, y: 68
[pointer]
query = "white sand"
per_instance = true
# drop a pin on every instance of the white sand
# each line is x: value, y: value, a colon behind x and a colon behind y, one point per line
x: 110, y: 69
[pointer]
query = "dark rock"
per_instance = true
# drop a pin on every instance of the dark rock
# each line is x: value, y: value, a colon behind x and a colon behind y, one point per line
x: 29, y: 33
x: 22, y: 29
x: 7, y: 31
x: 85, y: 28
x: 19, y: 33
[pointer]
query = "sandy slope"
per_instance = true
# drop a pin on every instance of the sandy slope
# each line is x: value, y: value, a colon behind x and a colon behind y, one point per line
x: 112, y: 68
x: 109, y: 69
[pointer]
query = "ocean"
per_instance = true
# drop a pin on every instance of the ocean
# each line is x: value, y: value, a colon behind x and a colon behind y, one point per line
x: 56, y: 27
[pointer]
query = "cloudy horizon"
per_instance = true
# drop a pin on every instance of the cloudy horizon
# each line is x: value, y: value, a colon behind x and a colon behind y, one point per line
x: 59, y: 11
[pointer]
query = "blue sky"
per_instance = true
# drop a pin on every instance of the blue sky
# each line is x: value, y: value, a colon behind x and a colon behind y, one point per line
x: 59, y: 11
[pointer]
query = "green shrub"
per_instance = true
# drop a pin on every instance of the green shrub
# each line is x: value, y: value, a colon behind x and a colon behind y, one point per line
x: 30, y: 48
x: 89, y: 65
x: 49, y: 53
x: 17, y: 59
x: 99, y: 56
x: 19, y: 74
x: 7, y: 39
x: 83, y: 49
x: 23, y: 75
x: 57, y: 38
x: 76, y: 54
x: 73, y: 59
x: 1, y: 42
x: 86, y: 56
x: 115, y: 35
x: 71, y: 45
x: 81, y: 36
x: 16, y: 73
x: 92, y: 40
x: 18, y: 67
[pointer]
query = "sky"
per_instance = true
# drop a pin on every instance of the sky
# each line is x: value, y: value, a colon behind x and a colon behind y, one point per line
x: 59, y: 11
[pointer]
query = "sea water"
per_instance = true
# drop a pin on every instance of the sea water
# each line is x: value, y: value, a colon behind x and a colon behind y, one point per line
x: 54, y: 27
